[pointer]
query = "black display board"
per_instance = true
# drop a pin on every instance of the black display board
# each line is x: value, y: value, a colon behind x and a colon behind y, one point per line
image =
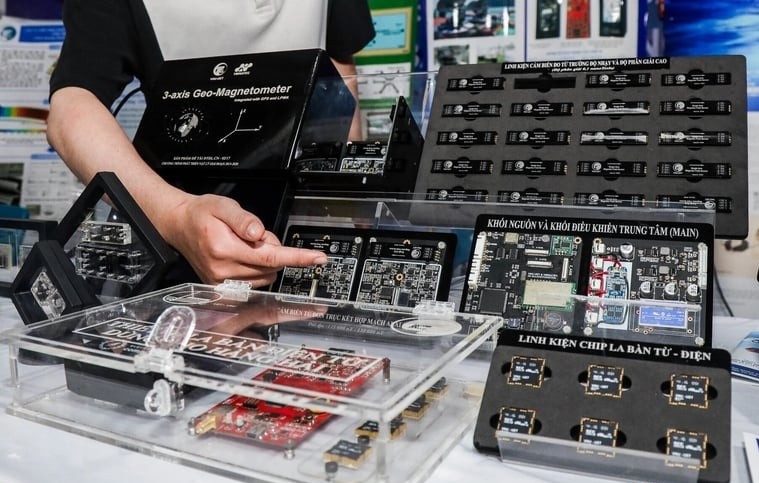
x: 556, y: 382
x: 528, y: 268
x: 623, y: 132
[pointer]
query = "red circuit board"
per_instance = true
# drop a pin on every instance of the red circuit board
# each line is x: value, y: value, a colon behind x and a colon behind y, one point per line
x: 260, y: 421
x: 332, y: 372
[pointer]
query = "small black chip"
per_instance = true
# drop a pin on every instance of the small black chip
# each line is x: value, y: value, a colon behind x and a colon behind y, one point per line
x: 417, y: 409
x: 438, y: 390
x: 687, y: 444
x: 526, y: 371
x: 599, y: 432
x: 348, y: 454
x: 604, y: 381
x: 516, y: 420
x: 688, y: 390
x: 371, y: 428
x: 493, y: 301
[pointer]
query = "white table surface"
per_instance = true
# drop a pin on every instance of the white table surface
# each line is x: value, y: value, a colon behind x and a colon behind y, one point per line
x: 32, y: 452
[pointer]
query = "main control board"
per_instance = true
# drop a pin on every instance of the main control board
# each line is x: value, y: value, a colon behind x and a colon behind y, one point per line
x: 654, y: 283
x: 512, y: 272
x: 373, y: 266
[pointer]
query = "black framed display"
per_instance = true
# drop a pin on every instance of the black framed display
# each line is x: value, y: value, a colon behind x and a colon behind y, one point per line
x: 17, y: 236
x: 113, y: 245
x: 665, y: 132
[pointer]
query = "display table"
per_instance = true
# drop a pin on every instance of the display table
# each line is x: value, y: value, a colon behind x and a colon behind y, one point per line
x: 32, y: 452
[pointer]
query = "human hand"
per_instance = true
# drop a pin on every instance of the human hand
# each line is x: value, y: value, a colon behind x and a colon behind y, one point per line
x: 222, y: 241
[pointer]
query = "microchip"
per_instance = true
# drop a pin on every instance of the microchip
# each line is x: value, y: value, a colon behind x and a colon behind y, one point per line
x: 516, y: 420
x: 438, y: 390
x: 526, y: 371
x: 604, y: 381
x: 548, y: 294
x: 371, y: 428
x: 492, y: 301
x: 688, y: 390
x: 599, y: 432
x: 417, y: 409
x: 687, y: 444
x: 348, y: 454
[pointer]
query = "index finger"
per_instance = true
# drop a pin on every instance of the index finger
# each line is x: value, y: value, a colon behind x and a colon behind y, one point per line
x: 274, y: 256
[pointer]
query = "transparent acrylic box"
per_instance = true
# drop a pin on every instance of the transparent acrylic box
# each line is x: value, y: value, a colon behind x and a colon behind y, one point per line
x: 239, y: 337
x: 613, y: 463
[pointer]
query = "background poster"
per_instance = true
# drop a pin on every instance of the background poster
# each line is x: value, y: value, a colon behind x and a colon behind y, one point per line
x: 31, y: 173
x: 716, y: 28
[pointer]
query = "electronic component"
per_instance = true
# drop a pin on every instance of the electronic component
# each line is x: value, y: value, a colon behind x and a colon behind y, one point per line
x: 417, y: 409
x: 695, y: 107
x: 511, y: 273
x: 47, y: 296
x: 687, y: 444
x: 462, y: 166
x: 531, y: 197
x: 365, y: 157
x: 535, y: 167
x: 696, y: 79
x: 610, y: 198
x: 612, y: 168
x: 456, y: 194
x: 438, y: 390
x: 542, y: 109
x: 616, y: 108
x: 371, y: 428
x: 106, y: 233
x: 538, y: 137
x: 259, y: 421
x: 598, y: 432
x: 332, y: 371
x: 646, y: 270
x: 618, y: 80
x: 472, y: 110
x: 604, y: 381
x: 695, y: 170
x: 526, y: 371
x: 404, y: 271
x: 374, y: 266
x: 516, y: 420
x: 695, y: 138
x: 720, y: 204
x: 614, y: 137
x: 348, y: 454
x: 335, y: 279
x: 467, y: 137
x: 689, y: 390
x: 476, y: 83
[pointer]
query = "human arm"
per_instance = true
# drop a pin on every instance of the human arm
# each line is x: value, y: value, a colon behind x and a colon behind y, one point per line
x: 218, y: 238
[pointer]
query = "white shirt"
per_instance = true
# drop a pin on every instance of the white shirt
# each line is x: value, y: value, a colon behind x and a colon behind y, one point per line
x: 209, y: 28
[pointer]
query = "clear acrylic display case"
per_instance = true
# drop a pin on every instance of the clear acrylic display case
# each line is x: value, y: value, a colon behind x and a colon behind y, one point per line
x: 614, y: 463
x: 144, y: 378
